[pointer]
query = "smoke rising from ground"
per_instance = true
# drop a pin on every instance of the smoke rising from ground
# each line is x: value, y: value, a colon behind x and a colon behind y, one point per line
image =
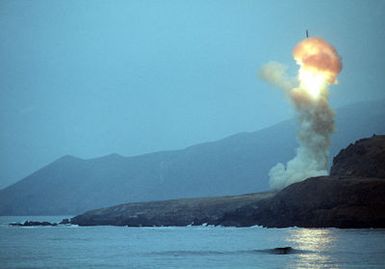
x: 319, y: 65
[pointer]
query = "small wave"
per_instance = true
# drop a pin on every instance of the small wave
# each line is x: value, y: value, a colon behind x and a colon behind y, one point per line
x: 195, y: 227
x: 41, y: 226
x: 69, y: 225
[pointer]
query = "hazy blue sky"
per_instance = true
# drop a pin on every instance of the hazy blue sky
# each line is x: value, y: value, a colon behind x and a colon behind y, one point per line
x: 89, y: 78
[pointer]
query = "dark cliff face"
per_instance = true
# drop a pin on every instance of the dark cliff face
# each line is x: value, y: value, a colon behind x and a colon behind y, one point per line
x: 365, y: 158
x: 342, y: 202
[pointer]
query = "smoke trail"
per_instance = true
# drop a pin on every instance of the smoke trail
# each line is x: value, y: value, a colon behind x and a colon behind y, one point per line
x: 319, y: 66
x: 275, y: 73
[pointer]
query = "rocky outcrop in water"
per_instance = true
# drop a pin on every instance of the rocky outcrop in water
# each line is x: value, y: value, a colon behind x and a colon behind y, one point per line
x: 29, y: 223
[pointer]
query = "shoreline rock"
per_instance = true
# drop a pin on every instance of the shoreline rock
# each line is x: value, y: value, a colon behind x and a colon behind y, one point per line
x: 31, y: 223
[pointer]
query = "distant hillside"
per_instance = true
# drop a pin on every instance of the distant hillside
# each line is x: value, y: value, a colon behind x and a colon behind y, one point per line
x: 235, y: 165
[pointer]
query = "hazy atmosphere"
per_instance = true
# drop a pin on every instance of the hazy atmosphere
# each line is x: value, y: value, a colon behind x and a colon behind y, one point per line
x: 140, y: 76
x: 150, y: 134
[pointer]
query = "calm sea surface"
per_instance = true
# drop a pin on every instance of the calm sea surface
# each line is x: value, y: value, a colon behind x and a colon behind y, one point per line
x: 183, y: 248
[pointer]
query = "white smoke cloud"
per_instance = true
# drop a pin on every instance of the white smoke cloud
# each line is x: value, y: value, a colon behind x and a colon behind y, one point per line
x: 316, y: 124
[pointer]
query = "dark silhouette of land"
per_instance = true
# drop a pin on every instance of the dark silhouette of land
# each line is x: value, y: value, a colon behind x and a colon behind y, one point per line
x: 347, y: 199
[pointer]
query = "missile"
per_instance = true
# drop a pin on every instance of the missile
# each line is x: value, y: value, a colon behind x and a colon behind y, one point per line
x: 307, y: 34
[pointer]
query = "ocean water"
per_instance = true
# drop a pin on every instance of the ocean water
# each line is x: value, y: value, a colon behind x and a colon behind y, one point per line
x: 187, y: 247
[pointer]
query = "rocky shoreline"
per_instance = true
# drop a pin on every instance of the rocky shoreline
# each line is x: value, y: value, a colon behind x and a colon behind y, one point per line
x: 179, y: 212
x: 341, y: 202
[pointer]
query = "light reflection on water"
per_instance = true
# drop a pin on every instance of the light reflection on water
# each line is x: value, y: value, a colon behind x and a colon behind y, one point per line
x: 314, y: 246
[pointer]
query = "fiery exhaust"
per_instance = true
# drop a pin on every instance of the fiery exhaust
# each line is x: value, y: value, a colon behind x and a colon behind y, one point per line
x: 319, y: 66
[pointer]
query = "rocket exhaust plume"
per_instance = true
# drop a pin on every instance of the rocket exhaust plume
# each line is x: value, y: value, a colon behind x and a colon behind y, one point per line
x: 319, y: 65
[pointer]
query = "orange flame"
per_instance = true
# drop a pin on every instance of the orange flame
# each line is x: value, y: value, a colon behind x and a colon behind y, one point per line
x: 319, y: 65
